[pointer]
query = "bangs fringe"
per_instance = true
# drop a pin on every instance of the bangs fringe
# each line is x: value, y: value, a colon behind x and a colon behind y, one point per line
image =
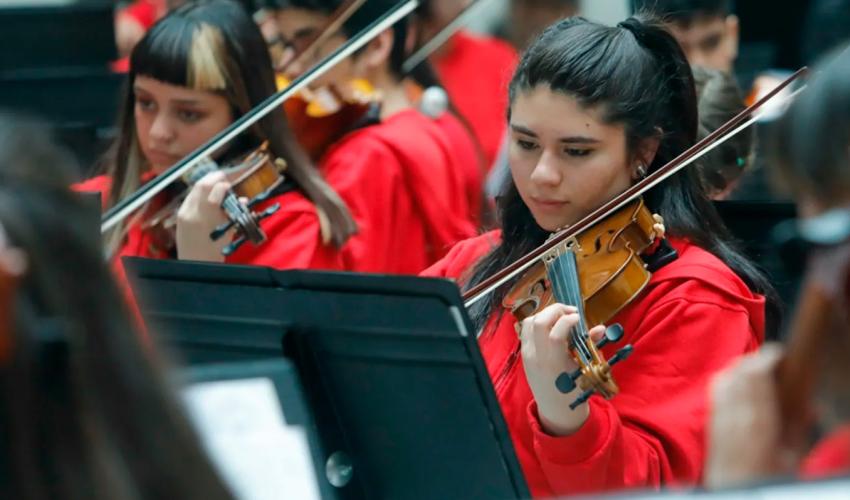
x: 182, y: 52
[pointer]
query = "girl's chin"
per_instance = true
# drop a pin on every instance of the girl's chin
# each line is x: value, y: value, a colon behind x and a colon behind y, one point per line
x: 551, y: 224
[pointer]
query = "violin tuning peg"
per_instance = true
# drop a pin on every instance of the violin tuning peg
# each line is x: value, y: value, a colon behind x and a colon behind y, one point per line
x: 613, y: 333
x: 221, y: 230
x: 233, y: 246
x: 566, y: 382
x: 581, y: 399
x: 269, y: 211
x: 259, y: 198
x: 622, y: 354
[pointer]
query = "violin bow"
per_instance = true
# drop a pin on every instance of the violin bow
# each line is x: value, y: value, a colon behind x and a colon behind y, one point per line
x: 442, y: 36
x: 127, y: 206
x: 687, y: 157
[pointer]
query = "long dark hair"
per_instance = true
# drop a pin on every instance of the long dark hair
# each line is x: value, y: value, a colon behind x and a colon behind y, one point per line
x: 85, y: 406
x: 640, y: 78
x: 215, y: 46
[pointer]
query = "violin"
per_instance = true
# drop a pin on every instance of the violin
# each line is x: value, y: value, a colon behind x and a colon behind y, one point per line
x: 319, y: 118
x: 254, y: 177
x: 599, y: 271
x: 597, y: 264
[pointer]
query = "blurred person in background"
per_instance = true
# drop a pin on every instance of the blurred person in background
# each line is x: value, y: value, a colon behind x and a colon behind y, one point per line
x: 752, y: 439
x: 720, y: 99
x: 86, y: 408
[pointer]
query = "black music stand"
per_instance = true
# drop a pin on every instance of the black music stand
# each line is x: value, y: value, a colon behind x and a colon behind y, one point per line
x: 39, y: 38
x: 390, y: 367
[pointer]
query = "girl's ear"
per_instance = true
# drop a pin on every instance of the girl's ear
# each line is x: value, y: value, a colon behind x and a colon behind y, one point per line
x: 377, y: 52
x: 645, y: 155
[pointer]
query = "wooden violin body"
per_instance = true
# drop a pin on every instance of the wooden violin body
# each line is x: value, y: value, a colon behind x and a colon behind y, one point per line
x: 611, y: 271
x: 599, y: 271
x: 319, y: 118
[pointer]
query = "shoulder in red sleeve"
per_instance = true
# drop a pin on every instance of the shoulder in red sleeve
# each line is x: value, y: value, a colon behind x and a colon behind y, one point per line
x: 397, y: 179
x: 831, y: 457
x: 101, y: 184
x: 463, y: 257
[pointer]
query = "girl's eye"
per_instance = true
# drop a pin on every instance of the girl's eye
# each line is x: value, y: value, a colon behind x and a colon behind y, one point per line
x: 577, y: 152
x: 144, y: 103
x: 526, y: 145
x: 189, y: 116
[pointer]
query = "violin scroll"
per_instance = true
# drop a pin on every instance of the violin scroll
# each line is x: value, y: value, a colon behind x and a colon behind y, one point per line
x: 594, y: 378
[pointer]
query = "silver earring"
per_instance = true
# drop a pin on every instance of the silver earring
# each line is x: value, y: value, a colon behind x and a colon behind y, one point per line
x: 641, y: 170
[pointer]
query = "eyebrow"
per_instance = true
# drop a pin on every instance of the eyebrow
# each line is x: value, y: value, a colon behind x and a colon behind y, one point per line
x: 182, y: 102
x: 710, y: 41
x: 186, y: 102
x: 306, y: 31
x: 576, y: 139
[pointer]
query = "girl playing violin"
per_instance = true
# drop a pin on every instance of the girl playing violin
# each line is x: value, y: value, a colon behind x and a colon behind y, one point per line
x: 593, y: 109
x: 399, y: 173
x: 192, y: 75
x: 752, y: 437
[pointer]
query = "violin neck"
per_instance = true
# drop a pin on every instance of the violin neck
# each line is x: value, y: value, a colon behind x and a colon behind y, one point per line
x: 562, y: 271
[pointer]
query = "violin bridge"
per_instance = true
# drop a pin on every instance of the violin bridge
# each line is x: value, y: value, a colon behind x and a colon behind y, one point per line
x: 570, y: 245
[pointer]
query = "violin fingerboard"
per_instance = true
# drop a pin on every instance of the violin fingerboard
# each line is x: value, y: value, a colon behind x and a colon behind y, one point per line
x: 563, y: 274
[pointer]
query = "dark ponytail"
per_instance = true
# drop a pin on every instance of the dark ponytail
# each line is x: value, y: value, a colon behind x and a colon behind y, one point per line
x: 638, y: 75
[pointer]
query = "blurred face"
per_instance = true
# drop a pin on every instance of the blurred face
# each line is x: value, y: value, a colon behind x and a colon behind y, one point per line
x: 564, y: 159
x: 172, y: 121
x: 297, y: 28
x: 531, y: 17
x: 711, y: 42
x: 442, y: 12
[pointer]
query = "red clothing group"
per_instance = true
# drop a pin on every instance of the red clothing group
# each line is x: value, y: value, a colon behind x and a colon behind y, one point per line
x: 693, y: 317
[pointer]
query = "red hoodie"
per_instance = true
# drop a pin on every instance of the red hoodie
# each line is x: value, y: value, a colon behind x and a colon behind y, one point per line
x: 399, y: 180
x: 831, y: 457
x: 691, y: 320
x: 476, y: 71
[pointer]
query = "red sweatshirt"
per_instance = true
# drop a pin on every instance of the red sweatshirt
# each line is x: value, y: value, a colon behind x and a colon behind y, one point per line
x: 831, y: 457
x: 400, y: 182
x: 476, y: 71
x: 693, y: 317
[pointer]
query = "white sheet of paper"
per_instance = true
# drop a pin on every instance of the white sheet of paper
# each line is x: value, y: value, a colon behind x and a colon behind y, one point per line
x: 244, y: 431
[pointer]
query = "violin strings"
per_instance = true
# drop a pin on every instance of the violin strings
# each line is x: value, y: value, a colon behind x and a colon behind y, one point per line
x: 564, y: 278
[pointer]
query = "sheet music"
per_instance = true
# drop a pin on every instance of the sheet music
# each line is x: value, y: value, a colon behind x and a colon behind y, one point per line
x: 244, y: 431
